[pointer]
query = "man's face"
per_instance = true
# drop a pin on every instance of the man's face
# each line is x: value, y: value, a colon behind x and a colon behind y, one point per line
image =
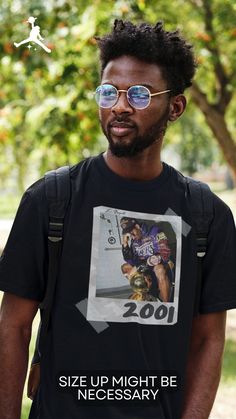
x: 136, y: 232
x: 129, y: 131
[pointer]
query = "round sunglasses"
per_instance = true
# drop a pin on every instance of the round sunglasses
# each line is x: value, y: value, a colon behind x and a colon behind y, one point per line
x: 139, y: 97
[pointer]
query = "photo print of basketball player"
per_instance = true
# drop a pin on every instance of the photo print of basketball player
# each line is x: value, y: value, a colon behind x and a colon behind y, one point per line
x: 148, y: 265
x: 135, y: 267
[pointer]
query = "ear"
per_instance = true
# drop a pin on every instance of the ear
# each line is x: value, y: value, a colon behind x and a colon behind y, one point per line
x: 177, y: 107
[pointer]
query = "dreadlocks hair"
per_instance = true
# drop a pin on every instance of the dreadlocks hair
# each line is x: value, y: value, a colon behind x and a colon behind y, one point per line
x: 151, y: 44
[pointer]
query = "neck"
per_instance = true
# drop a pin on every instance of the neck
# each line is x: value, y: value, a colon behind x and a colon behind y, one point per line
x: 145, y: 166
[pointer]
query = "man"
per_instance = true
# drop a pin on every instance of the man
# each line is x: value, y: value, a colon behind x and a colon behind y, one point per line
x: 145, y: 71
x: 147, y: 247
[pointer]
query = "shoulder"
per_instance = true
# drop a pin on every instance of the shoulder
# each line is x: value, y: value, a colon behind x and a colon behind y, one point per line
x: 210, y: 204
x: 196, y: 187
x: 82, y: 166
x: 202, y: 202
x: 34, y: 195
x: 191, y: 185
x: 222, y: 216
x: 37, y: 189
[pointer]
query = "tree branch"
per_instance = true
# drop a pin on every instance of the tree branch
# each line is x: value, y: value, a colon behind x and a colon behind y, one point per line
x: 215, y: 120
x: 225, y: 96
x: 200, y: 99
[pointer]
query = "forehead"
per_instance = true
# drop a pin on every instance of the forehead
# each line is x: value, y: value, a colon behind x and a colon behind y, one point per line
x: 127, y: 70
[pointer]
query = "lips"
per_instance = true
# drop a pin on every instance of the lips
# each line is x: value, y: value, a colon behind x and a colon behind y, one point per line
x: 121, y: 129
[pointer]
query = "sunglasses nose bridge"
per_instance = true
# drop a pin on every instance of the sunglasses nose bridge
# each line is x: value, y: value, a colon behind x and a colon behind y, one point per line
x: 122, y: 103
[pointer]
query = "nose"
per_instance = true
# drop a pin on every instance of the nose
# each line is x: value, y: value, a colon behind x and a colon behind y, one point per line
x: 122, y: 105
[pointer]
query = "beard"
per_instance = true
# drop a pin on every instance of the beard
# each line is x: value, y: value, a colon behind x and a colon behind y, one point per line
x: 140, y: 142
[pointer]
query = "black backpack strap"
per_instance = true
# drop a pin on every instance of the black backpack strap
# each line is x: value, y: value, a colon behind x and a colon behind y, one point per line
x: 57, y: 186
x: 201, y: 206
x: 58, y: 193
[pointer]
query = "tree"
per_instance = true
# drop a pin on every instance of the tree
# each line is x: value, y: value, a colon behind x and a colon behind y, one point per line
x: 210, y: 26
x: 47, y: 111
x: 219, y: 39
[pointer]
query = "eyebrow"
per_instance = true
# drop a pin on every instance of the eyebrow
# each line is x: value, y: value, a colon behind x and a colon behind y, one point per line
x: 149, y: 86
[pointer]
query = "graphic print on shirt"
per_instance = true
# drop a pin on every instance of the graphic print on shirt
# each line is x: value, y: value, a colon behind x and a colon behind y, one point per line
x: 135, y: 267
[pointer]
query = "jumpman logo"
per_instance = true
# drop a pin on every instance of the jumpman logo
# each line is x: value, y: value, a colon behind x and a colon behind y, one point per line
x: 34, y: 36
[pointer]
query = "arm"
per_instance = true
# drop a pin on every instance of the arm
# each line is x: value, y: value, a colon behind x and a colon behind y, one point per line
x: 16, y: 318
x: 204, y: 365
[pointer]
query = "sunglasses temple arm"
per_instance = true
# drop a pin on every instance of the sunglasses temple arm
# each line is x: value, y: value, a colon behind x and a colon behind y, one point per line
x: 159, y: 93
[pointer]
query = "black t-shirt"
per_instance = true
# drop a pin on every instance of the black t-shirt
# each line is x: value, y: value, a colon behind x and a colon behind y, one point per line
x: 102, y: 320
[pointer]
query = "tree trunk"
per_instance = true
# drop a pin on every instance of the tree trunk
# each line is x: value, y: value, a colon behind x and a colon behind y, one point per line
x: 216, y: 121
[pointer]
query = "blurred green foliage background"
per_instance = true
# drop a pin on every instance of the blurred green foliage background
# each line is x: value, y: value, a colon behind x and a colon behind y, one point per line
x: 47, y: 113
x: 48, y: 116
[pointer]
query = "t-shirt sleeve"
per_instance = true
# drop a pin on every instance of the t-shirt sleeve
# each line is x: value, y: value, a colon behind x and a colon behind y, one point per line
x: 23, y: 264
x: 219, y: 263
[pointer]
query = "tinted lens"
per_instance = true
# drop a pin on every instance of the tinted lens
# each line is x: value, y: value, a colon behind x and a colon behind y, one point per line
x: 106, y: 95
x: 138, y: 97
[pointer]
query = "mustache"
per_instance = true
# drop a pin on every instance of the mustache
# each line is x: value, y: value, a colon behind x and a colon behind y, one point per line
x: 121, y: 121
